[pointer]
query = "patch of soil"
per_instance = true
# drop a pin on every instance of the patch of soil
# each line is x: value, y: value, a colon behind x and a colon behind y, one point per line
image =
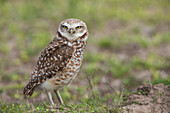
x: 148, y: 99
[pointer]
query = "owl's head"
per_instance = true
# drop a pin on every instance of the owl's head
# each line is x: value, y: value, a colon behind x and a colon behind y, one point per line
x: 72, y: 29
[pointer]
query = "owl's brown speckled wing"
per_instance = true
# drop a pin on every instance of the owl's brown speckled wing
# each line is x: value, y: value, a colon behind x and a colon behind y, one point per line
x: 53, y: 59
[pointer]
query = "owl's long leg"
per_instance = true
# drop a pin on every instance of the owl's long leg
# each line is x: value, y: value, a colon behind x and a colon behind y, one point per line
x: 50, y: 97
x: 59, y: 97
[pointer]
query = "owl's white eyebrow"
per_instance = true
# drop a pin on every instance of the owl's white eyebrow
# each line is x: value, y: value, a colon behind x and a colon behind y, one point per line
x: 77, y: 24
x: 73, y: 25
x: 66, y: 24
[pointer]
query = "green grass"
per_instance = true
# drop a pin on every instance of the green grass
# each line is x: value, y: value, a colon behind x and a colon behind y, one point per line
x: 85, y: 105
x: 125, y: 38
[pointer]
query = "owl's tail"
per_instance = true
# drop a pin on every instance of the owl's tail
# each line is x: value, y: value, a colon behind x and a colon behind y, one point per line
x: 29, y: 89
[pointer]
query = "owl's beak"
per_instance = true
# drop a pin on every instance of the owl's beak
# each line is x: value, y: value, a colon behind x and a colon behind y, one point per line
x: 71, y: 31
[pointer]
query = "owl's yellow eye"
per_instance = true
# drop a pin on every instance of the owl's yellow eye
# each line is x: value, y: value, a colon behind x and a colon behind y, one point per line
x: 65, y: 27
x: 78, y: 27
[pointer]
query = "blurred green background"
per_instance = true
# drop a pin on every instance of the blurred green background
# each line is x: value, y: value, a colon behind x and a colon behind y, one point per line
x: 129, y: 43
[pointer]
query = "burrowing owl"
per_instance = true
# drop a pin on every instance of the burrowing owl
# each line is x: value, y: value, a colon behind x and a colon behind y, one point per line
x: 60, y: 61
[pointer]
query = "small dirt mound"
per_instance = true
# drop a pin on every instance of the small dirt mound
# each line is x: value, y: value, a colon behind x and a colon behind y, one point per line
x: 148, y: 99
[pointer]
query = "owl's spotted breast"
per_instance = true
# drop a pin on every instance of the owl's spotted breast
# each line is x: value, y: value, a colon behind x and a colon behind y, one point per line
x: 58, y: 64
x: 70, y: 71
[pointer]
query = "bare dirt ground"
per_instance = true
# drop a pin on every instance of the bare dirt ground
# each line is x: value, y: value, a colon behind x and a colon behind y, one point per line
x: 148, y: 99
